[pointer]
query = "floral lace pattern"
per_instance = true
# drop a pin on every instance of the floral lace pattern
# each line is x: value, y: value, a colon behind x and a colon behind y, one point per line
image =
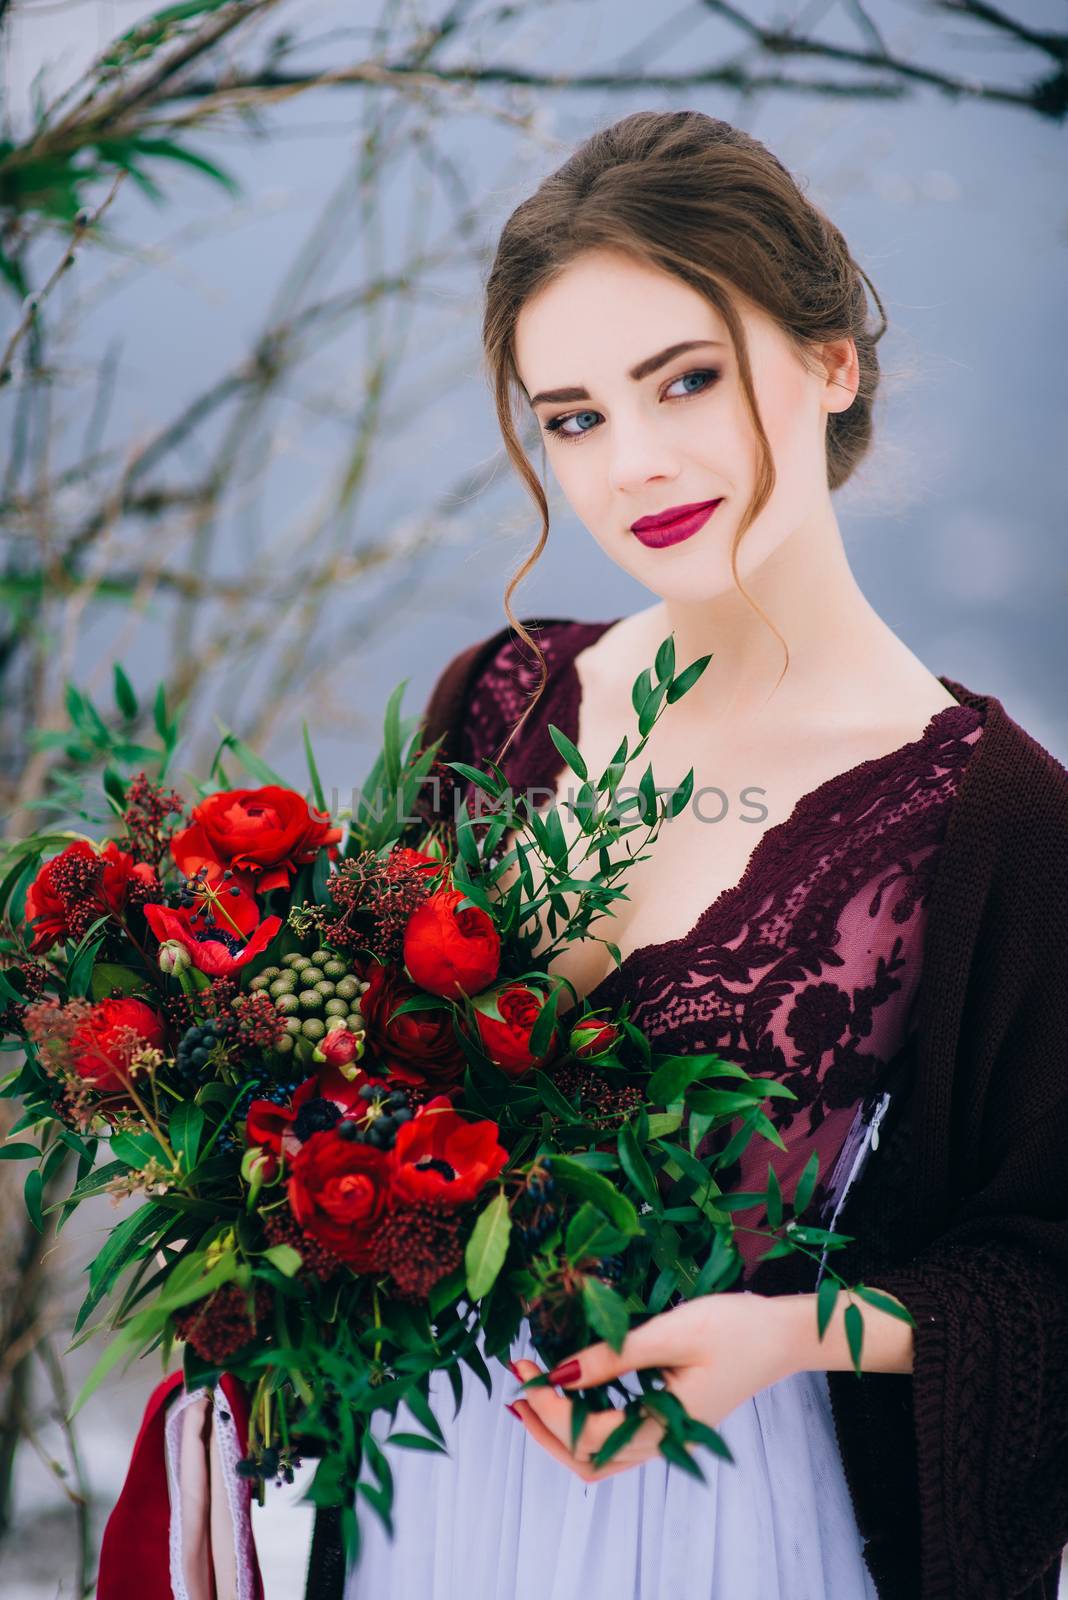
x: 807, y: 969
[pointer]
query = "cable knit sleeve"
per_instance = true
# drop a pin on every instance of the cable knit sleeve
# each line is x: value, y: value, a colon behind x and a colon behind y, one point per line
x: 987, y: 1402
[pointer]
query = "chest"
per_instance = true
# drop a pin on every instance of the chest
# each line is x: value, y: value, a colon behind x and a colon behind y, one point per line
x: 743, y: 788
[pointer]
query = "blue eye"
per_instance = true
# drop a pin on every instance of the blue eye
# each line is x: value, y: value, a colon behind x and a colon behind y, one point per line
x: 555, y: 426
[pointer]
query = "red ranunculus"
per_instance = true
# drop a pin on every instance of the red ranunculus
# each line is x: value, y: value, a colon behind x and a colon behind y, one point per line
x: 220, y: 947
x: 591, y: 1037
x: 64, y: 897
x: 339, y: 1193
x: 418, y: 1046
x: 450, y: 952
x: 102, y: 1046
x: 442, y: 1159
x: 261, y: 835
x: 120, y: 870
x: 507, y: 1042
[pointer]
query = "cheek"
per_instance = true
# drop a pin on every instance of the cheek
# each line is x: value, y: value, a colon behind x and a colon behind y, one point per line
x: 784, y: 409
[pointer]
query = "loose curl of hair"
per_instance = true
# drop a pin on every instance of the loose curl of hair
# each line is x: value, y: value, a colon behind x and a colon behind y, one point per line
x: 704, y: 201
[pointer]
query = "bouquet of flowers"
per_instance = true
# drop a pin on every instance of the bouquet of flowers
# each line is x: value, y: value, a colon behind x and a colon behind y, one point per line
x: 329, y: 1058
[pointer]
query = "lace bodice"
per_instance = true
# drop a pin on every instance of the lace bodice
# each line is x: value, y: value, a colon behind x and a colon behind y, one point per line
x: 807, y: 969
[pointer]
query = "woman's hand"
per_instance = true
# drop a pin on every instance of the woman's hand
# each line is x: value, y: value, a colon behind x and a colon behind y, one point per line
x: 714, y: 1353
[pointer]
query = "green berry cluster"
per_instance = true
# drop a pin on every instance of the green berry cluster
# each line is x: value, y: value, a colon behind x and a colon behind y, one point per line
x: 315, y: 994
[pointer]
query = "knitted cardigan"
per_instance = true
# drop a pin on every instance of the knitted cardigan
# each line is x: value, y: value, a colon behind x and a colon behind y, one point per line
x: 959, y: 1471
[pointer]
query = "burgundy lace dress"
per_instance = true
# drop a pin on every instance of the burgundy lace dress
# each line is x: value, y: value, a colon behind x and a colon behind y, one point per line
x: 807, y: 971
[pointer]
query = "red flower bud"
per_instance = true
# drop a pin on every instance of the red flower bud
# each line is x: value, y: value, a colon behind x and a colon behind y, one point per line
x: 592, y: 1037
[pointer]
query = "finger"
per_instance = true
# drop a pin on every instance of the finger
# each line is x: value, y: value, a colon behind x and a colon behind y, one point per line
x: 581, y: 1467
x: 556, y: 1411
x: 642, y: 1347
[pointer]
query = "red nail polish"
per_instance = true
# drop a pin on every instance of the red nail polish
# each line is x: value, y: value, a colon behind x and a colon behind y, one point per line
x: 515, y: 1371
x: 513, y: 1410
x: 567, y: 1372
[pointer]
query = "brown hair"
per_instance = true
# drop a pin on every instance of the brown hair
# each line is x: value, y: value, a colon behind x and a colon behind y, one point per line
x: 698, y: 198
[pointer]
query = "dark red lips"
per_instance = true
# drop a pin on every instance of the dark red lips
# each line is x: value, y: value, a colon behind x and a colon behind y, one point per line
x: 668, y: 527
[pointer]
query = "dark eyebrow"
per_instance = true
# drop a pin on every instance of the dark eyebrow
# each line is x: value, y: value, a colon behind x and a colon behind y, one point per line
x: 642, y: 370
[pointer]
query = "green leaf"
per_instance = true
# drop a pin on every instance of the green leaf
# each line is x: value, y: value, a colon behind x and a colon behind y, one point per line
x: 826, y: 1297
x: 125, y: 1241
x: 675, y: 1075
x: 662, y: 1124
x: 619, y: 1436
x: 686, y: 679
x: 114, y: 789
x: 253, y: 764
x: 664, y: 664
x: 185, y: 1129
x: 541, y: 1032
x: 80, y: 971
x: 98, y: 1180
x: 774, y: 1198
x: 606, y: 1311
x: 125, y: 698
x: 166, y: 149
x: 18, y: 1151
x: 138, y: 1148
x: 122, y: 1343
x: 636, y: 1167
x: 571, y: 1177
x: 720, y: 1268
x: 487, y: 1247
x: 313, y: 770
x: 569, y: 751
x: 701, y: 1433
x: 854, y: 1328
x: 874, y: 1297
x: 587, y: 1228
x: 415, y: 1441
x: 666, y: 1283
x: 32, y: 1192
x: 419, y: 1406
x: 806, y: 1183
x: 108, y: 975
x: 679, y: 1456
x: 554, y: 1098
x: 285, y: 1258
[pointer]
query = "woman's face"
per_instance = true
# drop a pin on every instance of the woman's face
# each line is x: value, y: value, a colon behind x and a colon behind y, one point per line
x: 678, y: 433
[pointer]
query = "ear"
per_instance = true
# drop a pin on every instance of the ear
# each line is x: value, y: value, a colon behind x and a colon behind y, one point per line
x: 842, y: 366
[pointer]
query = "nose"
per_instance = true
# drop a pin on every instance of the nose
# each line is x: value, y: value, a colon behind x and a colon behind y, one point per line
x: 640, y: 454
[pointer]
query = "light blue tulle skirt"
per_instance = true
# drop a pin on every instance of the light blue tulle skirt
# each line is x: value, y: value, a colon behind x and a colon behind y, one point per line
x: 501, y: 1519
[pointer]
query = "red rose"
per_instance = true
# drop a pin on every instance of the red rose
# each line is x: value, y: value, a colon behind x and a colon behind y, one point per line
x: 417, y: 1047
x: 450, y: 952
x: 220, y: 947
x: 102, y: 1046
x: 442, y: 1159
x: 262, y: 835
x: 507, y: 1041
x: 592, y: 1037
x: 339, y: 1193
x: 79, y: 885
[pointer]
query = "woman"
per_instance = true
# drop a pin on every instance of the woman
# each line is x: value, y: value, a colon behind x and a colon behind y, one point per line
x: 691, y: 335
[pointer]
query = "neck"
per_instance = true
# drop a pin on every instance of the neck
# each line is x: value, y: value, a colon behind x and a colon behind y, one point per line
x: 837, y: 641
